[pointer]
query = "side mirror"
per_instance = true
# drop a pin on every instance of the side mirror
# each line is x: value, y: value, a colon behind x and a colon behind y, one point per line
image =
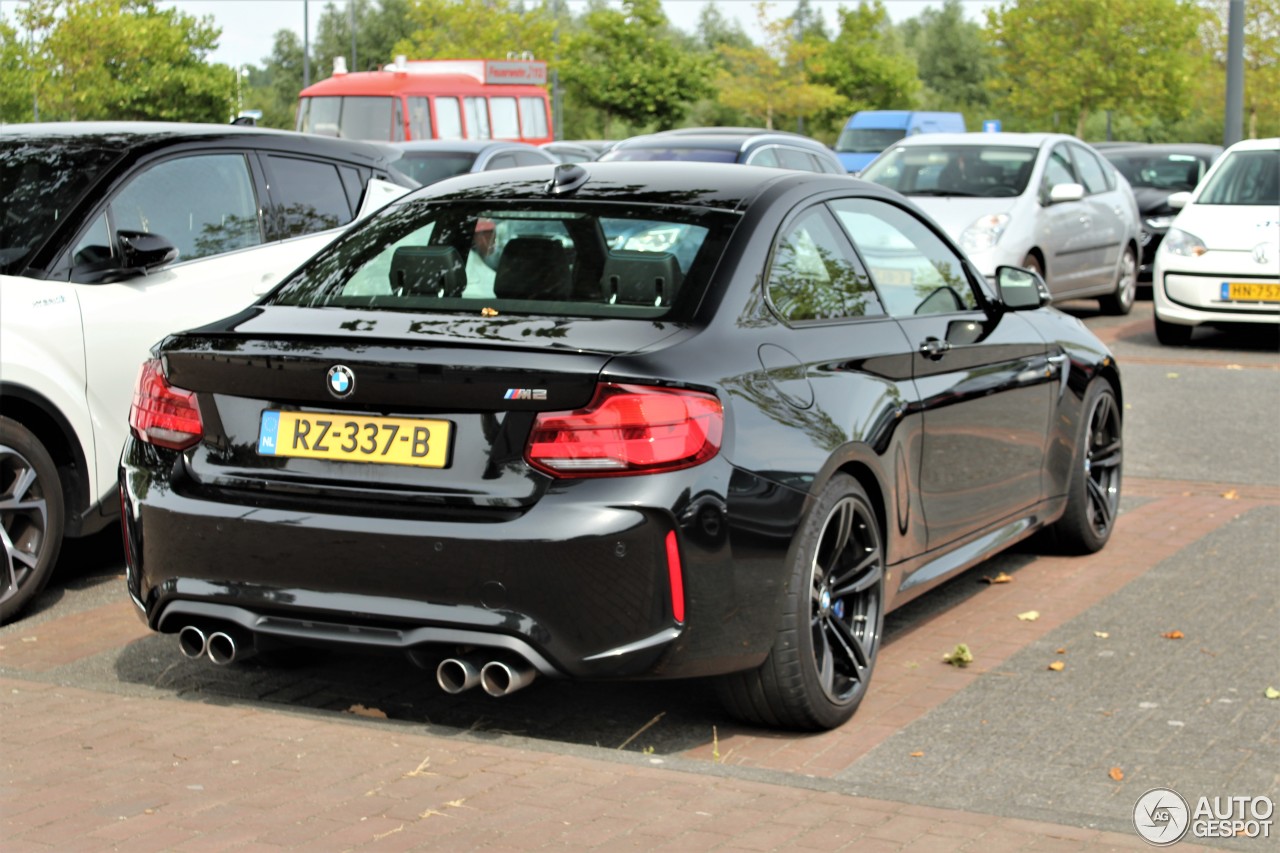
x: 1021, y: 290
x: 144, y: 252
x: 1178, y: 200
x: 1065, y: 192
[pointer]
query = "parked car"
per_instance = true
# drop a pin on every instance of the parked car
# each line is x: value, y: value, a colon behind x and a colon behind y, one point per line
x: 578, y: 150
x: 1155, y: 172
x: 114, y: 235
x: 1219, y: 263
x: 1043, y: 201
x: 868, y: 132
x: 431, y: 160
x: 749, y: 145
x: 618, y: 464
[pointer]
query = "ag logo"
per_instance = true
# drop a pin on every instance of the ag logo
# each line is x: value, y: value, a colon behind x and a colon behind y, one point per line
x: 341, y: 381
x: 1161, y: 817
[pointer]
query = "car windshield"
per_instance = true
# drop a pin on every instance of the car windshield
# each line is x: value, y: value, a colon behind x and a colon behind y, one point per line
x: 672, y: 152
x: 868, y: 140
x: 954, y: 170
x: 41, y: 179
x: 1246, y: 178
x: 533, y: 257
x: 1173, y: 172
x: 427, y: 167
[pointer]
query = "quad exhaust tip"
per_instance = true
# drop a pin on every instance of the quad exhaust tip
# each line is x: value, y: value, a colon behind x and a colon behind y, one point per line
x: 504, y: 677
x: 221, y: 647
x: 498, y: 677
x: 192, y: 642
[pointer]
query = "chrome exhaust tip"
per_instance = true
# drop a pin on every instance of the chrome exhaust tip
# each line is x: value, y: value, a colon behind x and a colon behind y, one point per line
x: 504, y: 677
x: 224, y: 648
x: 455, y: 675
x: 192, y: 642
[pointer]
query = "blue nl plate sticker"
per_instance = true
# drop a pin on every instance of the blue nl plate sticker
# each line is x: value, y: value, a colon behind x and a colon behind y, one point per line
x: 267, y: 435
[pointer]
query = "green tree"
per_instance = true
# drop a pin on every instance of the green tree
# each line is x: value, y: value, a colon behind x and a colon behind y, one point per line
x: 125, y: 60
x: 380, y: 25
x: 1261, y: 64
x: 714, y: 31
x: 952, y: 57
x: 1077, y: 57
x: 476, y: 29
x: 16, y: 83
x: 866, y: 63
x: 770, y: 82
x: 626, y: 64
x: 274, y: 89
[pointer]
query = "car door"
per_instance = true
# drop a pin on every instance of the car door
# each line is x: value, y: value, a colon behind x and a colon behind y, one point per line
x: 984, y: 379
x: 1109, y: 215
x: 209, y: 205
x: 1064, y: 228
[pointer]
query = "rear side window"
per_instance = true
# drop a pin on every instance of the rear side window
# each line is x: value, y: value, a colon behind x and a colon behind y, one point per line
x: 205, y: 204
x: 307, y: 196
x: 539, y: 257
x: 815, y: 275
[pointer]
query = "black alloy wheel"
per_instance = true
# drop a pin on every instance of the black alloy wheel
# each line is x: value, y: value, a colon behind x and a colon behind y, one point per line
x: 30, y: 517
x: 831, y: 623
x: 1093, y: 495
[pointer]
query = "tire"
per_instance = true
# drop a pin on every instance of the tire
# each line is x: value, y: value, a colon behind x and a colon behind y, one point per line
x: 830, y: 625
x: 1121, y: 301
x: 31, y: 517
x: 1031, y: 263
x: 1173, y: 334
x: 1093, y: 489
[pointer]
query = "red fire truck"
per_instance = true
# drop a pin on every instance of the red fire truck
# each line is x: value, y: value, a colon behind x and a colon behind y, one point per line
x: 432, y: 99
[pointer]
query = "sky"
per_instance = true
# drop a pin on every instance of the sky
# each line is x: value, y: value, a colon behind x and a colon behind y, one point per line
x: 249, y: 26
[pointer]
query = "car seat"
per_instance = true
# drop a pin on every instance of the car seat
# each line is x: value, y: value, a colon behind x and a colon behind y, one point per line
x: 427, y: 271
x: 641, y: 278
x: 533, y: 268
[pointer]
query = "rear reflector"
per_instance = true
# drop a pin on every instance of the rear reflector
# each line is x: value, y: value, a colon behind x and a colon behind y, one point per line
x: 628, y: 429
x: 676, y: 574
x: 161, y: 414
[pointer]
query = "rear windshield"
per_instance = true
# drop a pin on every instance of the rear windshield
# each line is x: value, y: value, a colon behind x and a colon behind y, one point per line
x: 538, y: 257
x: 1166, y: 171
x: 427, y: 167
x: 1246, y: 177
x: 44, y: 177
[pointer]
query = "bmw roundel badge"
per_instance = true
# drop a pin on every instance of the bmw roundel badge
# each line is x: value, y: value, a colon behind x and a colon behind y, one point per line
x: 341, y: 381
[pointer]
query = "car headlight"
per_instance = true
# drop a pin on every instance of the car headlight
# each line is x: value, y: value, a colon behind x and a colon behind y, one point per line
x: 1158, y: 223
x: 983, y: 234
x: 1183, y: 243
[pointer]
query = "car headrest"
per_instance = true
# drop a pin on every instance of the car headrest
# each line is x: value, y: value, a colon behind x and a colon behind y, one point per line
x: 533, y: 268
x: 427, y: 271
x: 641, y: 278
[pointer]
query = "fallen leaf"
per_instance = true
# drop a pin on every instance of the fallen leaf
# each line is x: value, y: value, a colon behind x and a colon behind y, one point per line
x: 1272, y: 693
x: 1117, y: 774
x: 362, y: 711
x: 1231, y: 495
x: 959, y: 656
x: 1171, y: 376
x: 488, y: 312
x: 1029, y: 616
x: 1057, y: 666
x: 1172, y: 635
x: 1062, y: 651
x: 1000, y: 578
x: 1101, y: 635
x: 917, y: 755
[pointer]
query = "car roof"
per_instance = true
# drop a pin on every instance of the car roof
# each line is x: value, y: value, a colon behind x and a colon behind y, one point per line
x: 470, y: 146
x: 1269, y: 144
x: 722, y: 186
x: 1201, y: 148
x: 1022, y: 140
x: 728, y: 139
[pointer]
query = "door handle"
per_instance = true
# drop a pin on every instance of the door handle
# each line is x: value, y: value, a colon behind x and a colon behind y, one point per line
x: 934, y: 348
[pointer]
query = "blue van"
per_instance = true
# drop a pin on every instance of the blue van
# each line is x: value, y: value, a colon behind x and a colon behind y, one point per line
x: 869, y: 132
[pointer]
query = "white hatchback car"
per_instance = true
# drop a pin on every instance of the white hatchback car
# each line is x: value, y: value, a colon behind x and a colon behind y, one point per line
x: 1220, y: 262
x: 116, y: 234
x: 1043, y: 201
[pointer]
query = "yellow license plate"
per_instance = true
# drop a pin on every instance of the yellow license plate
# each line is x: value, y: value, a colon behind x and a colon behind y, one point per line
x: 1249, y: 291
x: 340, y: 437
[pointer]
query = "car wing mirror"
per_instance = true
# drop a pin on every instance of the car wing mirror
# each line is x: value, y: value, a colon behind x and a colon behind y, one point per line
x: 1065, y: 192
x: 144, y: 252
x: 1178, y: 200
x: 1020, y: 289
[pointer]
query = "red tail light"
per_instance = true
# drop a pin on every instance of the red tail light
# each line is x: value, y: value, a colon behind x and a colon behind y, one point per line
x: 628, y: 429
x: 161, y: 414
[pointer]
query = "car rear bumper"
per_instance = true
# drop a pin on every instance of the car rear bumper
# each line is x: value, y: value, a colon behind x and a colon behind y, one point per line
x: 579, y: 585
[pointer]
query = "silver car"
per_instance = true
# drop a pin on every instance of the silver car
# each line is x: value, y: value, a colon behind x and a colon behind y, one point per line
x: 1044, y: 201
